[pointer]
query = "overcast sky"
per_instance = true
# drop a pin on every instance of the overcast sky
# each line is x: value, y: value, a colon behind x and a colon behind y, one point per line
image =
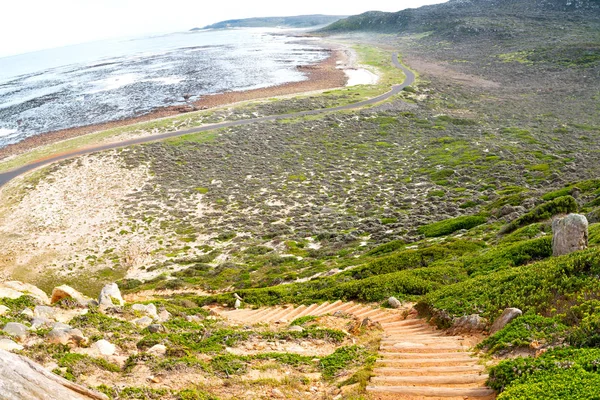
x: 29, y: 25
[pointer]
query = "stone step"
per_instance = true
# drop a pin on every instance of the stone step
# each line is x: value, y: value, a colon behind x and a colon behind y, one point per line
x: 332, y: 306
x: 427, y: 370
x: 307, y: 311
x: 431, y: 362
x: 454, y: 355
x: 432, y: 391
x: 428, y: 380
x: 281, y: 314
x: 423, y: 348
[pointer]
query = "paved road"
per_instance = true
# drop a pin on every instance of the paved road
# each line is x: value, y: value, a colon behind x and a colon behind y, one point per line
x: 410, y: 78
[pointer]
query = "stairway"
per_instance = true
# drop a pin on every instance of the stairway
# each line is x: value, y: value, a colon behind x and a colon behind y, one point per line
x: 415, y: 362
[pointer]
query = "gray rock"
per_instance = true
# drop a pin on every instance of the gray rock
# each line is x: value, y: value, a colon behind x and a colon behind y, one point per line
x: 27, y: 312
x: 28, y: 289
x: 4, y: 310
x: 156, y: 328
x: 296, y: 328
x: 237, y: 304
x: 104, y: 348
x: 16, y: 329
x: 193, y: 318
x: 142, y: 322
x: 110, y: 296
x: 507, y: 315
x: 506, y: 209
x: 593, y: 217
x: 148, y: 309
x: 394, y: 302
x: 40, y: 322
x: 25, y: 380
x: 44, y: 312
x: 164, y: 316
x: 570, y: 234
x: 157, y: 350
x: 468, y: 324
x: 67, y: 336
x: 9, y: 345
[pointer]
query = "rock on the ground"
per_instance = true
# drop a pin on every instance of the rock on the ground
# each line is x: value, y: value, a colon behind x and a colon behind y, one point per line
x: 164, y: 316
x: 142, y: 322
x: 148, y: 309
x: 468, y: 324
x: 4, y: 310
x: 28, y: 312
x: 156, y: 328
x: 570, y: 234
x: 9, y: 345
x: 25, y: 380
x: 157, y: 350
x: 394, y: 302
x: 507, y: 316
x: 44, y: 312
x: 296, y: 328
x: 28, y: 289
x: 8, y: 293
x: 104, y: 347
x: 39, y: 322
x: 64, y: 334
x: 237, y: 304
x: 110, y: 296
x: 16, y: 329
x: 67, y: 292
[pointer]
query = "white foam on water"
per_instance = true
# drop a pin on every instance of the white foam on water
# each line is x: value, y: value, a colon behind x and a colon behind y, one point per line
x: 113, y: 82
x: 167, y: 80
x: 8, y: 132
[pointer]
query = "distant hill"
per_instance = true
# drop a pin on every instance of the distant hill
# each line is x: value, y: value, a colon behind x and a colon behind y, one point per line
x: 459, y: 15
x: 299, y: 21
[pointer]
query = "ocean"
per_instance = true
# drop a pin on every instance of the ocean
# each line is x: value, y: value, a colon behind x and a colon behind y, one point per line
x: 115, y: 79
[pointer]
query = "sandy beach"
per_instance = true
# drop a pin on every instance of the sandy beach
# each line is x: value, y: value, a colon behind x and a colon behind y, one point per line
x: 324, y: 75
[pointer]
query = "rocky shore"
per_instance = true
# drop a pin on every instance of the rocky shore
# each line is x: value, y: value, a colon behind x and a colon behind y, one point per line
x: 323, y: 75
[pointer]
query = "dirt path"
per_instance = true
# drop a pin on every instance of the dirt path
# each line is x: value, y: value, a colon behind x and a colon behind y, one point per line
x: 9, y: 175
x: 415, y: 362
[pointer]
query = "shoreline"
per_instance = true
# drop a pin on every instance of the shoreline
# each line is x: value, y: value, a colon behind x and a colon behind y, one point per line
x: 320, y: 76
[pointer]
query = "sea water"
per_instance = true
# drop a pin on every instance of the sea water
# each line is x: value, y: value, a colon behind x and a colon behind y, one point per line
x: 115, y: 79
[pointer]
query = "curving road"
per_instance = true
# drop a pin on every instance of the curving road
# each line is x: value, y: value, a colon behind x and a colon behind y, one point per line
x: 5, y: 177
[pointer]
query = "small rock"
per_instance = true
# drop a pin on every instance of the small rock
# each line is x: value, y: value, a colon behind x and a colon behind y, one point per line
x: 110, y: 296
x: 16, y: 329
x: 28, y: 289
x: 394, y: 302
x: 277, y: 393
x: 40, y: 322
x: 570, y: 234
x: 44, y: 312
x: 154, y: 379
x: 27, y: 312
x: 507, y: 316
x: 148, y: 309
x: 67, y: 292
x: 237, y: 304
x: 156, y: 328
x: 468, y: 324
x: 9, y: 345
x: 104, y: 347
x: 164, y: 316
x: 64, y: 334
x: 157, y: 350
x: 296, y: 328
x: 193, y: 318
x: 8, y: 293
x: 142, y: 322
x: 4, y: 310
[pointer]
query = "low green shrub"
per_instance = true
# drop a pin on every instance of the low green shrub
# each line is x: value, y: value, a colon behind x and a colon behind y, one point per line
x: 536, y: 287
x: 524, y: 377
x: 559, y: 205
x: 452, y: 225
x: 502, y: 257
x: 523, y: 331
